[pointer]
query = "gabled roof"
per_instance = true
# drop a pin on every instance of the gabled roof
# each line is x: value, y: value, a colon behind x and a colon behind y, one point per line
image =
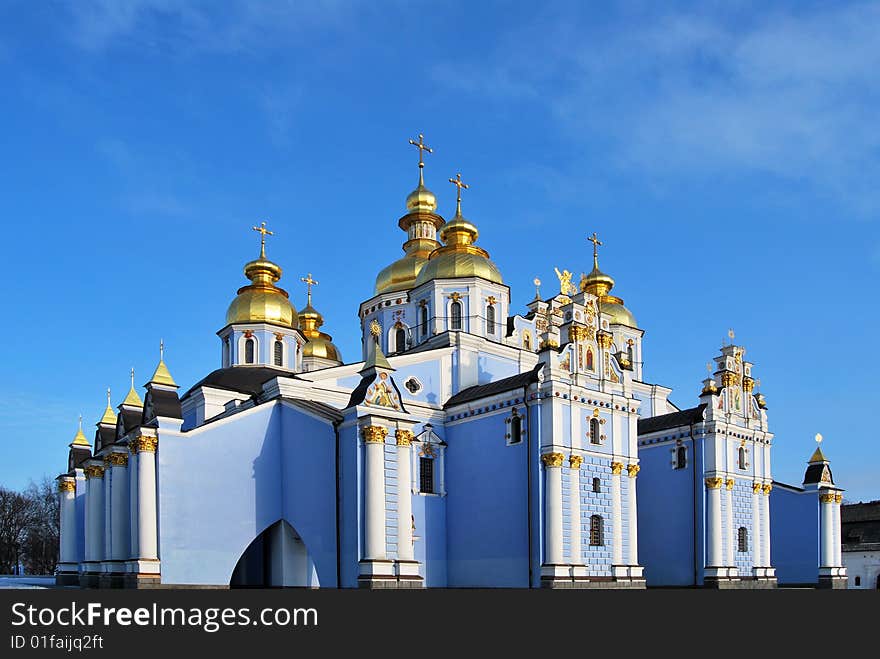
x: 160, y: 402
x: 672, y: 420
x: 243, y: 379
x: 479, y: 391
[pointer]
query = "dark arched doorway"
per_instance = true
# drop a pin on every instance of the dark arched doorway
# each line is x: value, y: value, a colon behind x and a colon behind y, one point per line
x: 277, y: 558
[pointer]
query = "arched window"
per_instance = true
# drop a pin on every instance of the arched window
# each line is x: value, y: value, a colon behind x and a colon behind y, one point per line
x: 597, y: 485
x: 455, y: 310
x: 629, y: 353
x: 400, y: 340
x: 515, y: 434
x: 279, y: 353
x: 490, y: 319
x: 742, y: 539
x: 426, y: 475
x: 590, y: 363
x: 594, y: 431
x: 424, y: 314
x: 527, y: 341
x: 249, y: 350
x: 742, y: 458
x: 681, y: 458
x: 858, y: 581
x: 597, y: 531
x: 226, y: 352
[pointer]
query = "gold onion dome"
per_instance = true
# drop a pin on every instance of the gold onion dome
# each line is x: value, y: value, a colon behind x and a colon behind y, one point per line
x: 318, y: 344
x: 262, y: 301
x: 420, y: 222
x: 599, y: 284
x: 459, y: 257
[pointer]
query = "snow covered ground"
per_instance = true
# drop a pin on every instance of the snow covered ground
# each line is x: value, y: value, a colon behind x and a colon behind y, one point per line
x: 27, y: 582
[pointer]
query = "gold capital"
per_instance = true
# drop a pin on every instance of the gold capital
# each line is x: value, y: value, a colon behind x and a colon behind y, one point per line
x: 756, y: 488
x: 633, y: 470
x: 828, y: 497
x: 404, y: 437
x: 575, y: 461
x: 616, y: 468
x: 604, y: 339
x: 375, y: 434
x: 714, y: 483
x: 838, y: 498
x: 730, y: 483
x: 768, y: 488
x: 144, y: 444
x: 94, y: 471
x: 552, y: 459
x: 67, y: 485
x: 117, y: 459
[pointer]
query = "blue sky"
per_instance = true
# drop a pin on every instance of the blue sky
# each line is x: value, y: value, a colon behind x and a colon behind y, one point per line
x: 726, y: 153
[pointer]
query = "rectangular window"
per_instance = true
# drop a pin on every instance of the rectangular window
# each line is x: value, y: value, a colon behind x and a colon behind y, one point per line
x: 426, y: 475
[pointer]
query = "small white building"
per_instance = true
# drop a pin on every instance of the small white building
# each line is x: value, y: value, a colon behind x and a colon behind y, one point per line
x: 861, y: 544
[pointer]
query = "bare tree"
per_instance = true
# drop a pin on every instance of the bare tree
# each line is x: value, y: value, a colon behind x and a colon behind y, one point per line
x: 41, y: 538
x: 14, y: 519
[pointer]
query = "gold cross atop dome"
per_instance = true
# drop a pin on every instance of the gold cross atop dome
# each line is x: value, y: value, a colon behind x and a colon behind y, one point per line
x: 458, y: 183
x: 263, y: 233
x: 596, y: 242
x: 422, y: 147
x: 309, y: 282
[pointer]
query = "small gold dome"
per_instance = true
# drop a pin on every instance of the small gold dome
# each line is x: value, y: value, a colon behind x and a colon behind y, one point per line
x: 318, y: 344
x: 262, y: 301
x: 617, y: 314
x: 459, y: 257
x: 597, y: 282
x: 421, y: 199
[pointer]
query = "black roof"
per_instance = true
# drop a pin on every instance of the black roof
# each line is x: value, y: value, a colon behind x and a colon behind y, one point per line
x: 673, y: 420
x: 860, y: 525
x: 161, y: 402
x: 499, y: 386
x: 360, y: 391
x: 131, y: 418
x: 814, y: 473
x: 104, y: 436
x: 243, y: 379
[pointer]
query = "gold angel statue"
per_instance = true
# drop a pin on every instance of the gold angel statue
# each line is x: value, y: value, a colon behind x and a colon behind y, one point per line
x: 565, y: 285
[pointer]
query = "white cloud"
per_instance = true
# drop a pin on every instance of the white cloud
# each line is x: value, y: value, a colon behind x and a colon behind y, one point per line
x: 791, y: 95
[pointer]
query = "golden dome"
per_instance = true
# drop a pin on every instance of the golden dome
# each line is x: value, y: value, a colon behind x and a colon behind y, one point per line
x: 421, y: 199
x: 318, y: 344
x: 109, y: 416
x: 617, y: 314
x: 80, y: 438
x: 597, y: 282
x: 400, y: 275
x: 459, y: 257
x: 262, y: 301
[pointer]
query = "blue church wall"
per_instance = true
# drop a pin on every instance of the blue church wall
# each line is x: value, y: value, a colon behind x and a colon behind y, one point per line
x: 486, y: 498
x: 794, y: 536
x: 491, y: 368
x: 666, y: 516
x: 391, y: 516
x: 742, y: 517
x: 272, y: 464
x: 80, y: 505
x: 428, y: 374
x: 430, y: 532
x: 598, y: 558
x: 536, y: 520
x: 351, y: 485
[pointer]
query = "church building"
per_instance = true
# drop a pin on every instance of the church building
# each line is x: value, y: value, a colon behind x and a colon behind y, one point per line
x: 469, y: 445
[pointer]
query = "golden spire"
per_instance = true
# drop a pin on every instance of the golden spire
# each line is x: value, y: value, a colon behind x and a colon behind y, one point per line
x: 818, y: 456
x: 422, y: 147
x: 162, y: 375
x: 132, y: 398
x: 263, y: 233
x: 109, y: 415
x: 80, y: 438
x: 309, y: 282
x: 458, y: 184
x: 597, y: 282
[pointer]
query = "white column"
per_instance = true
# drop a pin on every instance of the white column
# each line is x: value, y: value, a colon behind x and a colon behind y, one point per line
x: 119, y: 508
x: 575, y: 462
x: 757, y: 559
x: 108, y: 522
x: 729, y: 548
x: 95, y: 513
x: 765, y: 525
x: 148, y: 545
x: 553, y: 508
x: 67, y: 506
x: 616, y: 521
x: 838, y: 559
x: 404, y: 495
x: 633, y: 528
x: 827, y: 553
x: 374, y: 492
x: 713, y: 523
x: 133, y: 551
